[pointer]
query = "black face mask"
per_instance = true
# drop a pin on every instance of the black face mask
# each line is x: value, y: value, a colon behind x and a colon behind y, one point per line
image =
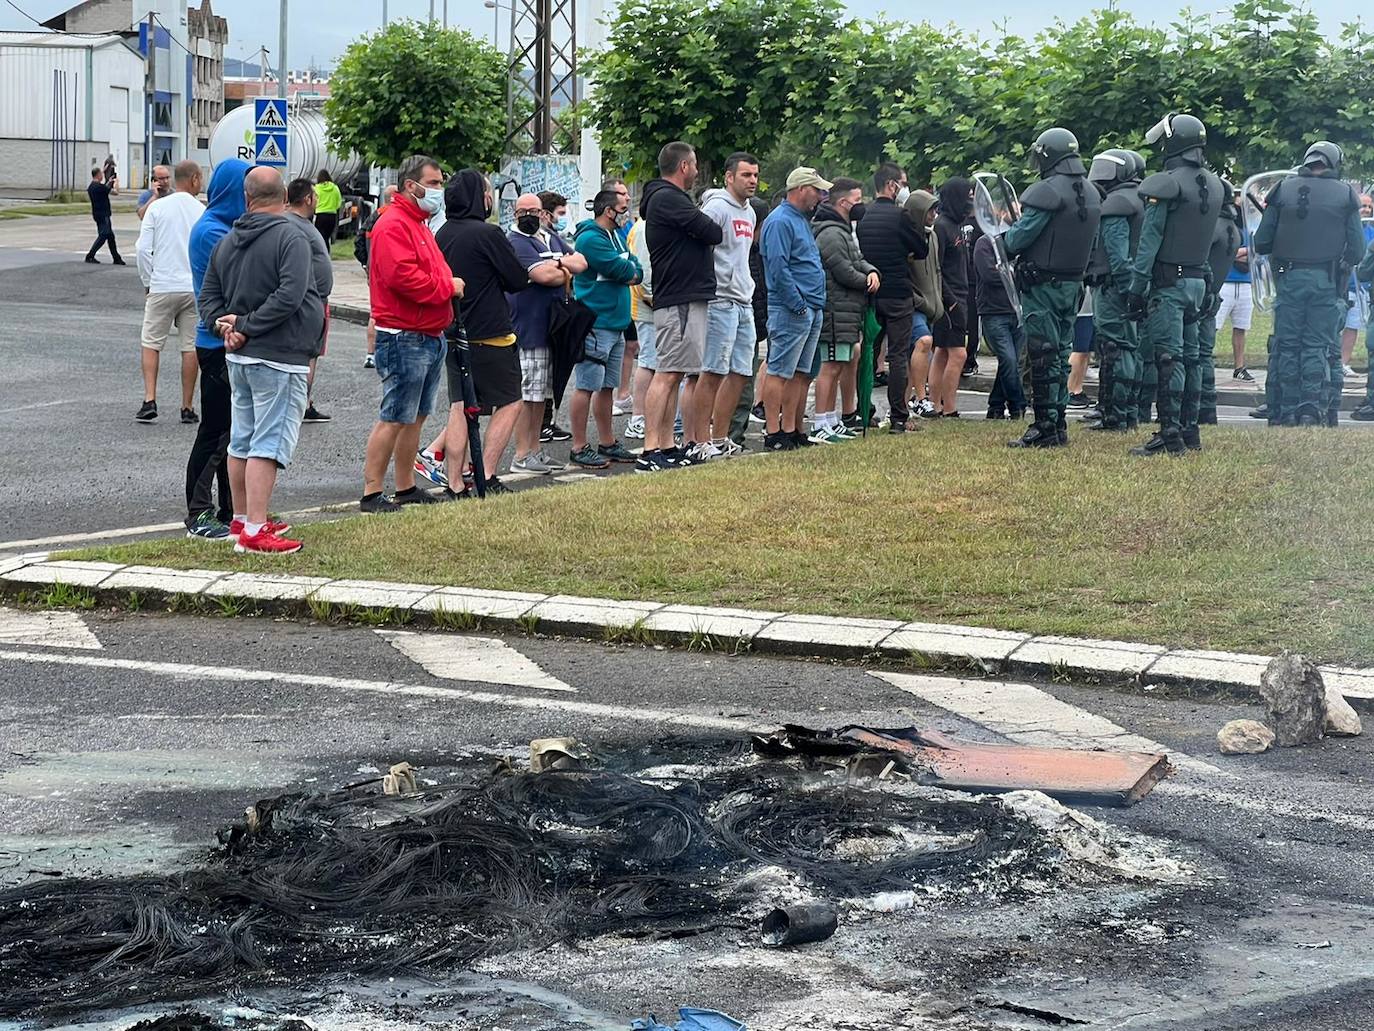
x: 527, y: 224
x: 856, y: 213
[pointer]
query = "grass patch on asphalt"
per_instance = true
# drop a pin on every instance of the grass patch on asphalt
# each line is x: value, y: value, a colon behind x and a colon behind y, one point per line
x: 82, y: 207
x: 1257, y: 544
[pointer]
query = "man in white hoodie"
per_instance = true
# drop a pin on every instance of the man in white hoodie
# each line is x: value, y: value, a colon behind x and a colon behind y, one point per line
x: 164, y: 265
x: 729, y: 359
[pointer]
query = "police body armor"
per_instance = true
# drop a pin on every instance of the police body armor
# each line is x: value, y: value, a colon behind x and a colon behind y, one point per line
x: 1122, y: 202
x: 1063, y: 248
x: 1221, y: 256
x: 1193, y: 197
x: 1313, y: 214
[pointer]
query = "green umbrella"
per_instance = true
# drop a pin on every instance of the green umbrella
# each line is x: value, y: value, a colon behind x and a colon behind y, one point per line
x: 865, y: 378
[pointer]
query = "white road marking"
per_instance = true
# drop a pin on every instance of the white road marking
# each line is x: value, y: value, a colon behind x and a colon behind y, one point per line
x: 47, y: 629
x: 1030, y: 716
x: 482, y: 660
x: 539, y: 703
x: 38, y: 404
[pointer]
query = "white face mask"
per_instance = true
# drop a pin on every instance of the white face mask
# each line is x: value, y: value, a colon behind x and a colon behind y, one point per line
x: 433, y: 200
x: 902, y: 195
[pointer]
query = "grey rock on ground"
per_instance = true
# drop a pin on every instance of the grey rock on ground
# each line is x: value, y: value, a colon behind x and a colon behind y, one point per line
x: 1244, y: 737
x: 1295, y: 695
x: 1341, y: 719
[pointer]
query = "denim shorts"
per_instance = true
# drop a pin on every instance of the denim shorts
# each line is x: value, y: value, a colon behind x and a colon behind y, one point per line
x: 920, y: 327
x: 267, y: 406
x: 648, y: 349
x: 1352, y: 316
x: 730, y: 338
x: 792, y: 340
x: 411, y: 365
x: 605, y: 349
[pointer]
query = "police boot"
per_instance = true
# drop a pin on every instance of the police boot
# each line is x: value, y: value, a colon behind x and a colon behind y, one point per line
x: 1262, y: 412
x: 1156, y: 446
x: 1309, y: 420
x: 1333, y: 417
x: 1192, y: 439
x: 1364, y: 413
x: 1107, y: 427
x: 1035, y: 436
x: 1207, y: 419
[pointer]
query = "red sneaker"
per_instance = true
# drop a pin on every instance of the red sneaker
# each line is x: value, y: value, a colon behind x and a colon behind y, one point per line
x: 271, y: 526
x: 265, y: 542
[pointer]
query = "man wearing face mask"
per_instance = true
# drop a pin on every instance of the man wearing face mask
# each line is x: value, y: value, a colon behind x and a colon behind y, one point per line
x: 556, y: 215
x: 887, y: 238
x: 477, y: 251
x: 412, y: 292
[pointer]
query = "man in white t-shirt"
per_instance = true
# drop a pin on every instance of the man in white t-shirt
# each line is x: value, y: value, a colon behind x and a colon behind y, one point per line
x: 164, y: 265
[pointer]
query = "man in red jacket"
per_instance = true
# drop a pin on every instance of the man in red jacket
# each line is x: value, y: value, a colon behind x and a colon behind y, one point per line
x: 412, y: 291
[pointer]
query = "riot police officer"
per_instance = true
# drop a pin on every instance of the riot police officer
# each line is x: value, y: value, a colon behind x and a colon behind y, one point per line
x: 1170, y: 273
x: 1222, y: 254
x: 1311, y: 228
x: 1053, y: 240
x: 1117, y: 174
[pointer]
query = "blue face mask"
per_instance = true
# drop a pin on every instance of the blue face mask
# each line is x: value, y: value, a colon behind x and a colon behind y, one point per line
x: 561, y: 223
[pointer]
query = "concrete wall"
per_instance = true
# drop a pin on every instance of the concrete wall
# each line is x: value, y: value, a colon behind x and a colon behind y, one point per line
x: 101, y: 16
x: 26, y: 164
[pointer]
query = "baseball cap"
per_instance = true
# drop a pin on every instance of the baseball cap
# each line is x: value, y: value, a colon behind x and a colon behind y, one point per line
x: 799, y: 177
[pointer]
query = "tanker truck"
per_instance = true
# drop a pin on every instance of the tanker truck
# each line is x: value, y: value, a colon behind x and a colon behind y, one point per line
x: 306, y: 153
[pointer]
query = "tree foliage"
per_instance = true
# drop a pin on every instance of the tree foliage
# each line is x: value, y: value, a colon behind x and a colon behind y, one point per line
x: 789, y: 78
x: 416, y: 88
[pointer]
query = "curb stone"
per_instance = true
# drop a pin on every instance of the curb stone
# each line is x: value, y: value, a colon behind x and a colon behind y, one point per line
x: 854, y: 639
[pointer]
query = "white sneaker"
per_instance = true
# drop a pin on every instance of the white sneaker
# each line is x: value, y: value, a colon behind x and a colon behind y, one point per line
x: 727, y: 448
x: 430, y: 468
x: 622, y: 406
x: 548, y: 459
x: 821, y: 436
x: 1348, y: 372
x: 531, y: 463
x: 926, y: 408
x: 704, y: 452
x: 634, y: 429
x: 842, y: 432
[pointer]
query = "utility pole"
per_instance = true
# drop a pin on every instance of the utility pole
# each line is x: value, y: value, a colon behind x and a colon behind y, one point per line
x: 281, y: 54
x: 262, y: 71
x: 383, y: 13
x: 149, y: 159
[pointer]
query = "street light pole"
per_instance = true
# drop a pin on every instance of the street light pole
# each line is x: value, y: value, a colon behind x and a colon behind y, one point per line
x: 383, y: 13
x: 281, y: 54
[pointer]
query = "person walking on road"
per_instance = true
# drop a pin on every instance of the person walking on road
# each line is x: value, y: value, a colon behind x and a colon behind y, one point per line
x: 164, y: 265
x: 100, y: 192
x: 260, y: 295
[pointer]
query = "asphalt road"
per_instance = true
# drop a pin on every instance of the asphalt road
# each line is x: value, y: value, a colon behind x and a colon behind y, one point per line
x: 129, y: 739
x: 75, y: 459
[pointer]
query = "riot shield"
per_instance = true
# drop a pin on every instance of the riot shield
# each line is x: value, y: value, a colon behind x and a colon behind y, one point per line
x: 995, y: 208
x: 1254, y: 193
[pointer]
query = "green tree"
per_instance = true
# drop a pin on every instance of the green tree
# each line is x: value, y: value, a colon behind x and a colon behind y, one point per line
x: 413, y: 88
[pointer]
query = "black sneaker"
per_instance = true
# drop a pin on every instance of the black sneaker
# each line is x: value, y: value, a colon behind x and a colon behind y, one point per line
x: 779, y: 441
x: 801, y: 440
x: 415, y: 496
x: 148, y: 412
x: 313, y: 414
x: 648, y: 462
x: 554, y: 432
x: 450, y: 495
x: 969, y: 369
x: 880, y: 379
x: 378, y: 503
x: 852, y: 421
x: 91, y: 259
x: 676, y: 457
x: 1243, y: 374
x: 1364, y: 413
x: 757, y: 414
x: 120, y: 261
x: 495, y: 486
x: 1079, y: 400
x: 189, y: 416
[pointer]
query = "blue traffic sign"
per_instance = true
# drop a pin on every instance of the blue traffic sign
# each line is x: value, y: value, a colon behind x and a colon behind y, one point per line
x: 270, y: 149
x: 270, y: 134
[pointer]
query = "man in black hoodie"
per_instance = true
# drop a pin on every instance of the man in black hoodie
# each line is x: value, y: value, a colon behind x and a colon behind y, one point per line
x: 680, y: 240
x: 887, y: 239
x: 951, y: 330
x: 479, y: 253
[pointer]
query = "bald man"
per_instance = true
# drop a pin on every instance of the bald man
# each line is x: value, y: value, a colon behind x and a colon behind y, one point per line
x: 161, y: 187
x: 261, y: 296
x: 551, y: 264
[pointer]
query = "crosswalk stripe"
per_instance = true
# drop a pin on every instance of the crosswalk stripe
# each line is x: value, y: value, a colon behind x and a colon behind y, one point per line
x: 46, y: 629
x: 480, y: 660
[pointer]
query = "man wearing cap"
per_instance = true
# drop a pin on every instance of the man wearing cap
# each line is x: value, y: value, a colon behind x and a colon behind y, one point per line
x: 796, y: 305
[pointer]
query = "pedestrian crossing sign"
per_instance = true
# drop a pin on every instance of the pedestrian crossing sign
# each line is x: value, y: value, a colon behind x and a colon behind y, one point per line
x: 269, y: 114
x: 270, y: 149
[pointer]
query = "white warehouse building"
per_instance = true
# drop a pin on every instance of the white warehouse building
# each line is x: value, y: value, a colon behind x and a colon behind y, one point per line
x: 65, y: 103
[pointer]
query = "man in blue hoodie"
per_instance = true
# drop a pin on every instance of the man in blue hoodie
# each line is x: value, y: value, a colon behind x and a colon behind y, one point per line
x: 604, y: 287
x: 208, y: 464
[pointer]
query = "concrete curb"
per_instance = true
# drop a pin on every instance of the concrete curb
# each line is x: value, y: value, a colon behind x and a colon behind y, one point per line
x: 350, y: 313
x: 930, y: 645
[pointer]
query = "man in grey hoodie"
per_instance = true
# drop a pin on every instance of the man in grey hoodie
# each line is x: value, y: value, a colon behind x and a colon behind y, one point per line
x: 260, y: 295
x: 730, y: 341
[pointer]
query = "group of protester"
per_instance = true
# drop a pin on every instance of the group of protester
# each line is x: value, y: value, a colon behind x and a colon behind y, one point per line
x: 688, y: 291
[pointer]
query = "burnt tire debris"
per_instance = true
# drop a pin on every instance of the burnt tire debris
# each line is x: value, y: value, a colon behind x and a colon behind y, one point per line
x: 492, y: 860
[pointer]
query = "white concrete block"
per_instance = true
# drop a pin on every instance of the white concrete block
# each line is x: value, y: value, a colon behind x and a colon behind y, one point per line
x: 157, y: 578
x: 958, y: 641
x: 1216, y: 667
x: 14, y: 562
x: 1076, y: 653
x: 1353, y: 683
x: 702, y: 619
x: 492, y: 604
x: 65, y: 571
x: 372, y: 594
x: 574, y: 611
x: 831, y: 633
x: 265, y: 586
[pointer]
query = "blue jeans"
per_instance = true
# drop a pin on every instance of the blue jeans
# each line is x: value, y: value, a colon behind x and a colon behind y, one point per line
x: 729, y: 339
x: 1007, y: 340
x: 411, y: 365
x: 605, y: 350
x: 792, y: 340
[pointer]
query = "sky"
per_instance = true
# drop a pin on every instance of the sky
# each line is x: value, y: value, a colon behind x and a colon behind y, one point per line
x: 323, y: 38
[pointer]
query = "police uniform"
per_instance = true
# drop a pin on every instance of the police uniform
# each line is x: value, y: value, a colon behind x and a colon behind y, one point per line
x: 1170, y: 274
x: 1222, y: 254
x: 1053, y: 241
x: 1117, y: 174
x: 1311, y: 229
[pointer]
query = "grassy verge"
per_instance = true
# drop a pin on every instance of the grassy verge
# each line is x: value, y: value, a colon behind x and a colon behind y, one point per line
x: 1257, y: 544
x: 73, y: 208
x: 342, y: 250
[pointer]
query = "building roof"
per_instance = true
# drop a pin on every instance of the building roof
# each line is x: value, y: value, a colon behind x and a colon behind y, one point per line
x: 61, y: 39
